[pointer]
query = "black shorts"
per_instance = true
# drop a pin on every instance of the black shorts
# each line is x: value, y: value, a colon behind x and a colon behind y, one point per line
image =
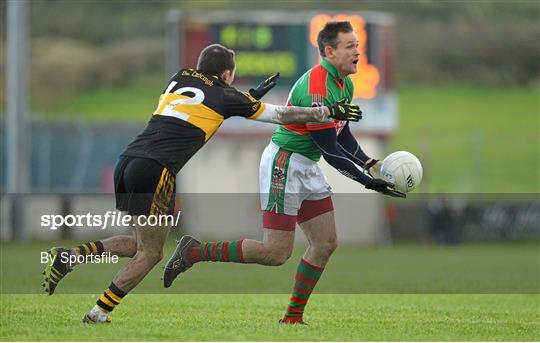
x: 143, y: 187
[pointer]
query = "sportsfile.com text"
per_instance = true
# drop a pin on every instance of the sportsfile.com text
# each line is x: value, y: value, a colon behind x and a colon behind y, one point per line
x: 111, y: 219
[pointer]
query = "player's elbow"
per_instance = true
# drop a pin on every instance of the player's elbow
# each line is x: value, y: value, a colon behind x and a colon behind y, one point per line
x: 332, y: 160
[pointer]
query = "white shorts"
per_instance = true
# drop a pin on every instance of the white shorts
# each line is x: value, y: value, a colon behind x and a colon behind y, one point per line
x: 287, y: 178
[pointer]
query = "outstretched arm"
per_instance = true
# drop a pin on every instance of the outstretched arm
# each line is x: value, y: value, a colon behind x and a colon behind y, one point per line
x: 348, y: 144
x: 293, y: 114
x: 350, y: 147
x: 326, y: 140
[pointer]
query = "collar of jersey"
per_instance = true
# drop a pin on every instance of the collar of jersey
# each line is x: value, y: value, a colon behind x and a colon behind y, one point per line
x: 332, y: 70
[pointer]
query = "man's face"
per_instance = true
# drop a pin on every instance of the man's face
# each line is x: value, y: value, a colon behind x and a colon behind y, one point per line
x: 346, y: 55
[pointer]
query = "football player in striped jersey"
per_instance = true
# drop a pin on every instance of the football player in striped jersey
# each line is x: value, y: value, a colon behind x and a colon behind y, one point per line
x: 293, y: 188
x: 190, y: 110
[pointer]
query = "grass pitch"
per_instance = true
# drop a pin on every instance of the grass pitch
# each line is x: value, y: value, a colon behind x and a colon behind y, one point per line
x: 333, y: 313
x: 183, y: 317
x: 461, y: 132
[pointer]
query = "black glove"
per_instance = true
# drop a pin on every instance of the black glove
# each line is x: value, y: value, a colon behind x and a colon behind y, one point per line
x: 384, y: 187
x: 341, y: 110
x: 368, y: 166
x: 264, y: 87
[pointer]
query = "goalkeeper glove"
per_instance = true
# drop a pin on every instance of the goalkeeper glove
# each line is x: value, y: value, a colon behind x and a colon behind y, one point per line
x: 264, y: 87
x: 384, y: 187
x: 341, y: 110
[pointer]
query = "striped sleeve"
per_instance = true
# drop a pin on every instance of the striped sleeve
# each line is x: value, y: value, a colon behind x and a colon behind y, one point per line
x: 317, y: 93
x: 241, y: 104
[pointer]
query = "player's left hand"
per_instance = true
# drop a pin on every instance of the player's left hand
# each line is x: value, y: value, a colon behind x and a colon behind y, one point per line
x: 373, y: 168
x: 264, y: 87
x: 384, y: 187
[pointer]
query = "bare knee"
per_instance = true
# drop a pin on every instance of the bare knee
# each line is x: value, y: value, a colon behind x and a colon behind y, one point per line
x: 131, y: 241
x: 277, y: 256
x: 151, y: 257
x: 131, y: 244
x: 332, y: 245
x: 156, y: 256
x: 326, y: 247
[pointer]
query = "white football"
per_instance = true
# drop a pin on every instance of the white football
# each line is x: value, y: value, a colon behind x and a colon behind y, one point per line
x: 403, y: 169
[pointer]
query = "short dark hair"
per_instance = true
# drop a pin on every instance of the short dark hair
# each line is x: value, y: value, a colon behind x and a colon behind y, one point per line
x: 215, y: 59
x: 328, y: 36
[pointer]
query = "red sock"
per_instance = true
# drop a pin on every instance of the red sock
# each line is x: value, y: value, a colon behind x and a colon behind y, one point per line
x: 305, y: 280
x: 292, y: 320
x: 223, y: 251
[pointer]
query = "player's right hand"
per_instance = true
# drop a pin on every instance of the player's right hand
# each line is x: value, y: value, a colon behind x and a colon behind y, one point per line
x: 341, y: 110
x: 384, y: 187
x: 264, y: 87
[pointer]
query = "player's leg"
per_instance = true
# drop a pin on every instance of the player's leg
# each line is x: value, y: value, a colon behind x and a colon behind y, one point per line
x: 279, y: 174
x: 58, y: 268
x: 316, y: 219
x: 322, y: 237
x: 279, y: 221
x: 150, y: 242
x: 122, y: 245
x: 274, y: 250
x: 143, y: 175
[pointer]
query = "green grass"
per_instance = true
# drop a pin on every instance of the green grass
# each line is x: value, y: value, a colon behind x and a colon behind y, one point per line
x: 356, y: 299
x: 472, y: 138
x: 403, y: 268
x: 254, y: 318
x: 469, y: 138
x: 131, y: 103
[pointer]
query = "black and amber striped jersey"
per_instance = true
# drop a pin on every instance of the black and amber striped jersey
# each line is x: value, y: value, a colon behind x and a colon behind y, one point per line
x: 190, y: 110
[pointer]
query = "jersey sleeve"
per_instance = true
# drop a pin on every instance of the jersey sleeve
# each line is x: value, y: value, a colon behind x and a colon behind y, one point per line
x: 326, y: 141
x: 300, y: 96
x: 349, y: 91
x: 301, y: 100
x: 311, y: 91
x: 313, y: 100
x: 240, y: 104
x: 349, y: 88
